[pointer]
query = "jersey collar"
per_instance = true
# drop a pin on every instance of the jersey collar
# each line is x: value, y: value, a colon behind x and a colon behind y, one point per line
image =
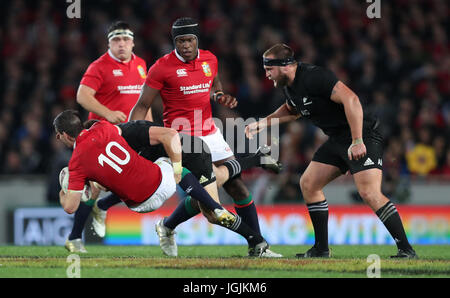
x: 182, y: 59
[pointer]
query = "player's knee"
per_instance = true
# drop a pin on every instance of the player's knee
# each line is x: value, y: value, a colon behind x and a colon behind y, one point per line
x: 306, y: 185
x: 369, y: 194
x: 221, y: 174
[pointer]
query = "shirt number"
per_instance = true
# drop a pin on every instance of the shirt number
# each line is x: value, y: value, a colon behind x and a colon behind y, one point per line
x: 113, y: 160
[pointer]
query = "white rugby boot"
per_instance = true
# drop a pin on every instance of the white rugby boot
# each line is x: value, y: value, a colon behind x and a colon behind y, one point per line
x: 75, y: 245
x: 166, y: 239
x: 99, y: 220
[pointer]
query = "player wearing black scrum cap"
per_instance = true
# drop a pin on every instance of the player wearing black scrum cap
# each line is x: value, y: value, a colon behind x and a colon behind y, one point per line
x: 354, y: 143
x: 187, y: 79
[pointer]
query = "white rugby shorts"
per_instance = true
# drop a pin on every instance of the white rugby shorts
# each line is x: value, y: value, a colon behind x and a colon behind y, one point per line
x: 219, y: 148
x: 164, y: 191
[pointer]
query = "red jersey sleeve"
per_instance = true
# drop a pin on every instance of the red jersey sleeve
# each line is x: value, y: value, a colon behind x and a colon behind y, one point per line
x: 77, y: 179
x: 92, y: 77
x: 155, y: 77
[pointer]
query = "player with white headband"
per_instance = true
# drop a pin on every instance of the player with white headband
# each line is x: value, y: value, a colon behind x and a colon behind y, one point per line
x: 108, y: 90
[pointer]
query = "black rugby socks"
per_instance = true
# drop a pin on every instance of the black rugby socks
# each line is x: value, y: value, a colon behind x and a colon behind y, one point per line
x: 391, y: 219
x: 192, y: 187
x: 108, y: 201
x: 79, y: 220
x: 319, y: 217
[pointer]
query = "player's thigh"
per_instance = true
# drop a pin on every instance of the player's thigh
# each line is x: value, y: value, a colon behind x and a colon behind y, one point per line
x: 211, y: 189
x: 325, y: 166
x: 317, y: 175
x: 221, y: 171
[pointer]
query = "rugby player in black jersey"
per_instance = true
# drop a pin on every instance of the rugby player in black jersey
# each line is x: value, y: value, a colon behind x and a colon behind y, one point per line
x: 354, y: 144
x: 197, y: 174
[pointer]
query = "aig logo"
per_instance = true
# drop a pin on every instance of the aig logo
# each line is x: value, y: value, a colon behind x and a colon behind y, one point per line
x: 181, y: 72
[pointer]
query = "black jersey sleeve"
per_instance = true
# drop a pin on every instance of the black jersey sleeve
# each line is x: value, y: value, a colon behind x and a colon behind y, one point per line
x: 320, y: 81
x: 136, y: 133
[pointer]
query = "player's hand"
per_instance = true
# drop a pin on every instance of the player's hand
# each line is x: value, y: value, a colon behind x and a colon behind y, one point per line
x: 228, y: 101
x: 254, y: 128
x: 356, y: 151
x: 115, y: 117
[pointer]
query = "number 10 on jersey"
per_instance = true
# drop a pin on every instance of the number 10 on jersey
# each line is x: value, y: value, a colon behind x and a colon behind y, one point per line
x: 113, y: 160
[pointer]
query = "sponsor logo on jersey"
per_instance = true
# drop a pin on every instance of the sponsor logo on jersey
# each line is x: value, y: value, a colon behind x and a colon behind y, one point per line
x: 181, y: 72
x: 130, y: 89
x: 141, y: 71
x: 380, y: 162
x: 198, y: 88
x: 117, y: 72
x: 206, y: 69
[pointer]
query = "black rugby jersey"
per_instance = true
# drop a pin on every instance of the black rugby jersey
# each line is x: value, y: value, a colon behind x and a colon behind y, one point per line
x: 309, y: 95
x: 136, y: 134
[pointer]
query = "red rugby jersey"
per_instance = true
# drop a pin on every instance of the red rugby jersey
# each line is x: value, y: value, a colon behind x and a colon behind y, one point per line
x: 117, y: 84
x: 101, y: 154
x: 185, y: 91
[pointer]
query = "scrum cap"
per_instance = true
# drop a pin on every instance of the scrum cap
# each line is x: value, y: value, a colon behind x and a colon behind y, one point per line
x: 185, y: 26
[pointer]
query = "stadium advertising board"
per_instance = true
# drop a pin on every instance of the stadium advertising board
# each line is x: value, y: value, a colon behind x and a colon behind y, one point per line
x: 41, y: 226
x: 286, y: 225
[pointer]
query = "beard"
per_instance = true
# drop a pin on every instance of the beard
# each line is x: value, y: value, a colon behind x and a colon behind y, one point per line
x: 281, y: 82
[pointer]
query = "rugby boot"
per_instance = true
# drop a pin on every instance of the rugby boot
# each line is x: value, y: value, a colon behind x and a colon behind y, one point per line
x: 166, y: 239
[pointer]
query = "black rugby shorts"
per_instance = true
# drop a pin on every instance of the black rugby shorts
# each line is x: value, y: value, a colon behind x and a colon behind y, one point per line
x: 334, y: 152
x: 197, y: 159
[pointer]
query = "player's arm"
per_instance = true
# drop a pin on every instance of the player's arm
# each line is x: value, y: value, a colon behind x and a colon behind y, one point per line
x: 283, y: 114
x: 171, y: 142
x: 221, y: 97
x: 142, y: 107
x: 354, y: 113
x: 86, y: 98
x: 70, y: 200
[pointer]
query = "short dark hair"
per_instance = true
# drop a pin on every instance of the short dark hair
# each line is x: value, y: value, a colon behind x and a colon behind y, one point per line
x: 68, y: 121
x: 118, y: 25
x: 280, y: 51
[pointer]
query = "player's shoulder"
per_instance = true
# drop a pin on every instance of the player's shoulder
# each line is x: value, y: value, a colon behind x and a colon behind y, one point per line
x: 166, y: 59
x: 308, y: 70
x: 163, y: 62
x: 99, y: 63
x: 205, y: 54
x: 140, y: 60
x: 308, y: 67
x: 97, y: 127
x: 102, y: 60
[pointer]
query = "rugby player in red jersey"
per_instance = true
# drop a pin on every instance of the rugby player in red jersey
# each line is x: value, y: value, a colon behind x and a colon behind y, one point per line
x: 102, y: 155
x: 111, y: 85
x: 186, y: 79
x: 108, y: 90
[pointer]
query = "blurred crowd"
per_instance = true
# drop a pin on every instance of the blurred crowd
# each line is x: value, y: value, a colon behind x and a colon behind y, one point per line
x: 399, y: 66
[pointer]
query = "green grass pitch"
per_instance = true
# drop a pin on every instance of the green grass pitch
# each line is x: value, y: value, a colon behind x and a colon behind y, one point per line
x: 219, y: 262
